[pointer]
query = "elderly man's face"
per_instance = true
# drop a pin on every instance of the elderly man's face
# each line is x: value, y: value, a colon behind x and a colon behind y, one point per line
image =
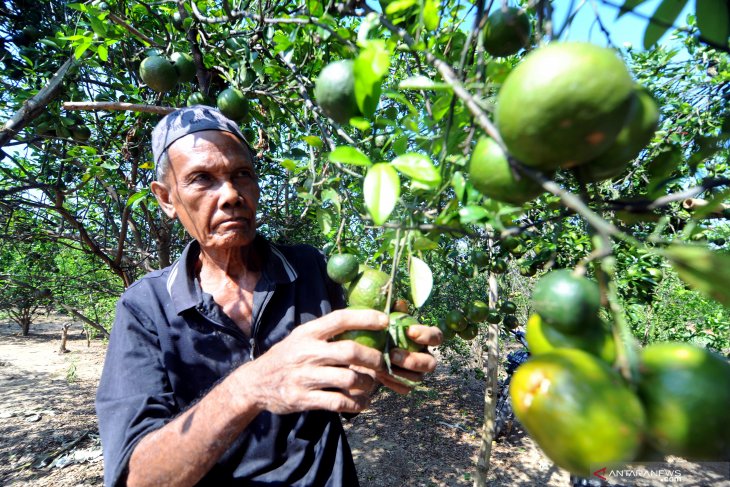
x: 211, y: 186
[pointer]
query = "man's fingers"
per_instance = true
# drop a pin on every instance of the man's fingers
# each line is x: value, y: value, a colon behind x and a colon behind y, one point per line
x: 337, y: 401
x: 415, y: 361
x: 334, y: 323
x: 425, y: 335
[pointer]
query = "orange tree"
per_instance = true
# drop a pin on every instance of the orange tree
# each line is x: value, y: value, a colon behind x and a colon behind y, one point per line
x: 376, y: 154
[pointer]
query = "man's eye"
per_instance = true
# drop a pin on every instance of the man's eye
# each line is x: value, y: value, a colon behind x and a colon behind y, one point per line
x: 200, y: 178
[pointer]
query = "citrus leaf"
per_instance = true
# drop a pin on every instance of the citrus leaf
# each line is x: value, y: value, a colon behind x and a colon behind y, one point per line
x: 349, y: 155
x: 330, y: 194
x: 421, y: 279
x: 313, y: 140
x: 421, y: 82
x: 381, y: 190
x: 472, y: 214
x: 662, y: 20
x: 705, y: 270
x: 458, y: 182
x: 713, y: 20
x: 419, y: 168
x: 431, y: 14
x: 326, y: 219
x: 398, y: 6
x: 137, y: 197
x: 371, y: 65
x: 288, y: 164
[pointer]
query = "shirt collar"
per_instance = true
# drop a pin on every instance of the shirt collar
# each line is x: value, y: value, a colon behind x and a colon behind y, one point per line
x: 184, y: 292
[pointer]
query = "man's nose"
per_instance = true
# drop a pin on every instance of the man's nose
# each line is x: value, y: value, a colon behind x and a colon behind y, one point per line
x: 230, y: 195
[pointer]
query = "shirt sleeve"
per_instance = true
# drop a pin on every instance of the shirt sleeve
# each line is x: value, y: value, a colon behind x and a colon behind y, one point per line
x: 134, y: 396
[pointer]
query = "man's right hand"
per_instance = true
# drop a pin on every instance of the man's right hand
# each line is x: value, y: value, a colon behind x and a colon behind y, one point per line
x: 307, y: 370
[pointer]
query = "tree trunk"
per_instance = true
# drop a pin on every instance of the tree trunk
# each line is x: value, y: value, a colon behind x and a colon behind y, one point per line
x: 485, y: 449
x: 64, y: 338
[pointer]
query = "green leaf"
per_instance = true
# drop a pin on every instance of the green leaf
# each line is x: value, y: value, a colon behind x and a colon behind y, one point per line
x: 431, y: 14
x: 472, y: 213
x: 102, y: 52
x: 81, y: 48
x: 423, y: 243
x: 419, y: 168
x: 458, y: 182
x: 137, y: 197
x: 713, y: 20
x: 330, y: 194
x: 421, y: 279
x: 705, y: 270
x: 421, y: 82
x: 97, y: 26
x: 326, y: 220
x: 371, y: 66
x: 288, y: 164
x: 398, y: 6
x: 381, y: 190
x: 345, y: 154
x: 313, y: 140
x: 662, y: 20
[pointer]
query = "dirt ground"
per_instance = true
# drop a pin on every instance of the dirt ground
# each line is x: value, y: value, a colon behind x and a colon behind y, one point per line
x: 49, y: 436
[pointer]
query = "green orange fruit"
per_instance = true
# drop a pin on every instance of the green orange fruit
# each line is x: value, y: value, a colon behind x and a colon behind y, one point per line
x: 184, y: 65
x: 232, y: 103
x: 566, y: 302
x: 492, y: 175
x: 342, y: 268
x: 686, y: 393
x: 564, y: 104
x: 596, y: 339
x: 578, y: 410
x: 398, y: 327
x: 158, y: 73
x: 334, y: 91
x: 633, y: 137
x: 369, y: 289
x: 456, y: 320
x: 506, y: 31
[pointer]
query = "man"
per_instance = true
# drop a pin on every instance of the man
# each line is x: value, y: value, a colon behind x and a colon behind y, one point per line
x: 221, y: 369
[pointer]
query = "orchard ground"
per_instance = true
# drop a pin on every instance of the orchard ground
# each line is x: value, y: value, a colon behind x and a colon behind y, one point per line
x: 49, y: 434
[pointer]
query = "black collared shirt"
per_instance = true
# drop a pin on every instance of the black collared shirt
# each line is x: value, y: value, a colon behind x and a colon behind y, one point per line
x: 171, y: 343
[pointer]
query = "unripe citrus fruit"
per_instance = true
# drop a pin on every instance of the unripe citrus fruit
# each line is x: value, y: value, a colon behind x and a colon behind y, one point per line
x: 564, y: 104
x: 342, y: 268
x: 578, y: 410
x: 334, y: 91
x: 566, y: 302
x: 399, y: 323
x: 508, y: 307
x: 158, y: 73
x: 80, y: 133
x: 499, y: 266
x: 506, y: 31
x: 632, y: 138
x: 370, y: 338
x: 368, y: 289
x: 184, y: 65
x: 595, y: 339
x: 456, y: 320
x: 686, y: 392
x: 198, y: 98
x: 510, y: 322
x: 232, y: 103
x: 470, y: 332
x: 491, y: 175
x: 477, y: 311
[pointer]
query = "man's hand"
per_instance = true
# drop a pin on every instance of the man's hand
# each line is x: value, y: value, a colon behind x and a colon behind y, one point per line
x: 307, y: 370
x: 412, y: 365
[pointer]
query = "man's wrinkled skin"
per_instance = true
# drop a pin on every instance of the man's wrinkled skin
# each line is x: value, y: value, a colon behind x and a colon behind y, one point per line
x: 212, y: 188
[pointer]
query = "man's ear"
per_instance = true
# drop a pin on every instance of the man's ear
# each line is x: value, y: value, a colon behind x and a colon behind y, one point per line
x: 162, y: 193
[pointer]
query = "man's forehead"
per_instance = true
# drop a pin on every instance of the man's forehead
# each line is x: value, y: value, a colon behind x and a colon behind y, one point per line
x: 201, y: 148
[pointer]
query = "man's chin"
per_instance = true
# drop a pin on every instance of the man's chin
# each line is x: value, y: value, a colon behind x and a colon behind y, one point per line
x: 230, y: 240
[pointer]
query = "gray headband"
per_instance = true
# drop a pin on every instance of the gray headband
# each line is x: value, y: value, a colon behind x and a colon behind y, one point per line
x: 189, y: 120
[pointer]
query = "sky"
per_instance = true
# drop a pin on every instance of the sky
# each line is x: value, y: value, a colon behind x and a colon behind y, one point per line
x: 627, y: 29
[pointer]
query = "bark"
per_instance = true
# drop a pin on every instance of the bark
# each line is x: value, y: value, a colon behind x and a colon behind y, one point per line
x: 83, y: 318
x: 64, y: 338
x: 485, y: 449
x: 695, y: 204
